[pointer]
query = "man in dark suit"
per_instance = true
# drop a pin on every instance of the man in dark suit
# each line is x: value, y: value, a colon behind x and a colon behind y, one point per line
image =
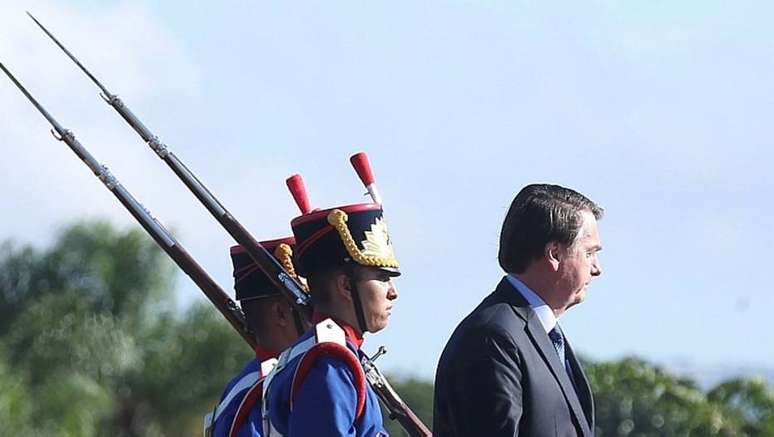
x: 508, y: 369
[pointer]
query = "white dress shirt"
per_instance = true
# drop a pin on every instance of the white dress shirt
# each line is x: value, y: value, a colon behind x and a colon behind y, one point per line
x: 544, y: 312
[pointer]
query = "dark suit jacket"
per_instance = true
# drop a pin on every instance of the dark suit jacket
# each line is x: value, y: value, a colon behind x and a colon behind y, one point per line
x: 500, y: 375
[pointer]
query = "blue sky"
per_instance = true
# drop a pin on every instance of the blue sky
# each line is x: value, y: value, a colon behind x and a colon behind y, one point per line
x: 656, y: 110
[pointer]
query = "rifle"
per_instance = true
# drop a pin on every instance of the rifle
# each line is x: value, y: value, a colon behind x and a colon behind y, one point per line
x: 163, y: 238
x: 271, y: 268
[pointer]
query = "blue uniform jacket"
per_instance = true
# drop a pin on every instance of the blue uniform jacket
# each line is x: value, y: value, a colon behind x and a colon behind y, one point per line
x: 232, y: 397
x: 253, y: 425
x: 326, y: 400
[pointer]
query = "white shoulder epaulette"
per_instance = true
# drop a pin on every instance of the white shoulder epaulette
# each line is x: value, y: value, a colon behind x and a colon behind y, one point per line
x: 328, y: 331
x: 268, y: 365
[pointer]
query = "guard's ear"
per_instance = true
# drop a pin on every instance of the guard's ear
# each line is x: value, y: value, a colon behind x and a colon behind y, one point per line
x: 281, y: 313
x: 343, y: 286
x: 553, y: 253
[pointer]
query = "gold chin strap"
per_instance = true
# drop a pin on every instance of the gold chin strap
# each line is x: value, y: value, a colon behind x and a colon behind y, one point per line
x: 377, y: 249
x: 284, y: 254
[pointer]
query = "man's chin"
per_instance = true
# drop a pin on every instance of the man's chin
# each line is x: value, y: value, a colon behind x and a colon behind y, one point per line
x: 580, y: 297
x: 377, y: 326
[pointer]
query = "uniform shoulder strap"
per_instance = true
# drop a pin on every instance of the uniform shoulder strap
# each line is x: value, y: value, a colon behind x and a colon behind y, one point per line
x: 331, y: 342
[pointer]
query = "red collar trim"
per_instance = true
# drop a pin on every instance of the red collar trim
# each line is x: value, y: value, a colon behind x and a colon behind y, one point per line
x: 351, y: 333
x: 263, y: 354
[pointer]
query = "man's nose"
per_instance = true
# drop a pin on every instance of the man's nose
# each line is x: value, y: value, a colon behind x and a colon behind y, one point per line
x: 392, y: 293
x: 596, y: 267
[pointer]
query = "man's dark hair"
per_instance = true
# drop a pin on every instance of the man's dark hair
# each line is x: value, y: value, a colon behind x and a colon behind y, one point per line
x: 539, y: 214
x: 321, y: 285
x: 322, y: 282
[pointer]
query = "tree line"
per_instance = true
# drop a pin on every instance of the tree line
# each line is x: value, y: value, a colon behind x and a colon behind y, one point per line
x: 91, y: 344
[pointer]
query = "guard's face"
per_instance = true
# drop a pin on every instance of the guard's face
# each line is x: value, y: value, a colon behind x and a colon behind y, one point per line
x: 580, y: 263
x: 377, y: 293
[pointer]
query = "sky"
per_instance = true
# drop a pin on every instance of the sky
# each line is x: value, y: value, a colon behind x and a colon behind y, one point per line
x: 658, y: 111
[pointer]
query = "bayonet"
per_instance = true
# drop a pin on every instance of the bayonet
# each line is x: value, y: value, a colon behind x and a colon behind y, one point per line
x: 105, y: 92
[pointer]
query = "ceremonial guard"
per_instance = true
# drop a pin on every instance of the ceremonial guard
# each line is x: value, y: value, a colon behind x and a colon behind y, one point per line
x: 319, y: 387
x: 271, y: 318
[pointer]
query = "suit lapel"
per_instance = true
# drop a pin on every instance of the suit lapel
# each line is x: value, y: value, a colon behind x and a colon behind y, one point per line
x: 582, y: 385
x: 547, y: 351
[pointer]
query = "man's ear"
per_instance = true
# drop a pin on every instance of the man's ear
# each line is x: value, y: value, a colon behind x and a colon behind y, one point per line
x: 344, y: 286
x: 281, y: 313
x: 553, y: 254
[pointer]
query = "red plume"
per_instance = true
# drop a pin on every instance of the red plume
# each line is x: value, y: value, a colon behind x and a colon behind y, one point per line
x: 298, y: 191
x: 363, y: 168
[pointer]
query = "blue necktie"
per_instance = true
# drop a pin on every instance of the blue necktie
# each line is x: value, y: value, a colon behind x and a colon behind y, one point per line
x: 557, y: 338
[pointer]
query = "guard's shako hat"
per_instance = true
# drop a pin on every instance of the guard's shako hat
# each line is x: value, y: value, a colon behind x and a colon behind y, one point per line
x: 249, y: 280
x: 335, y: 237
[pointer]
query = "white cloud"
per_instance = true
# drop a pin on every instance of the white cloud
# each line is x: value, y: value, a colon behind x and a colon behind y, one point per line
x: 44, y: 184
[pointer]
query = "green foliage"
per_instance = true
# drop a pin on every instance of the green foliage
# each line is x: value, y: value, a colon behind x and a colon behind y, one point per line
x: 753, y: 401
x: 119, y: 273
x: 19, y: 278
x: 15, y: 404
x: 635, y: 398
x: 89, y: 344
x: 186, y: 365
